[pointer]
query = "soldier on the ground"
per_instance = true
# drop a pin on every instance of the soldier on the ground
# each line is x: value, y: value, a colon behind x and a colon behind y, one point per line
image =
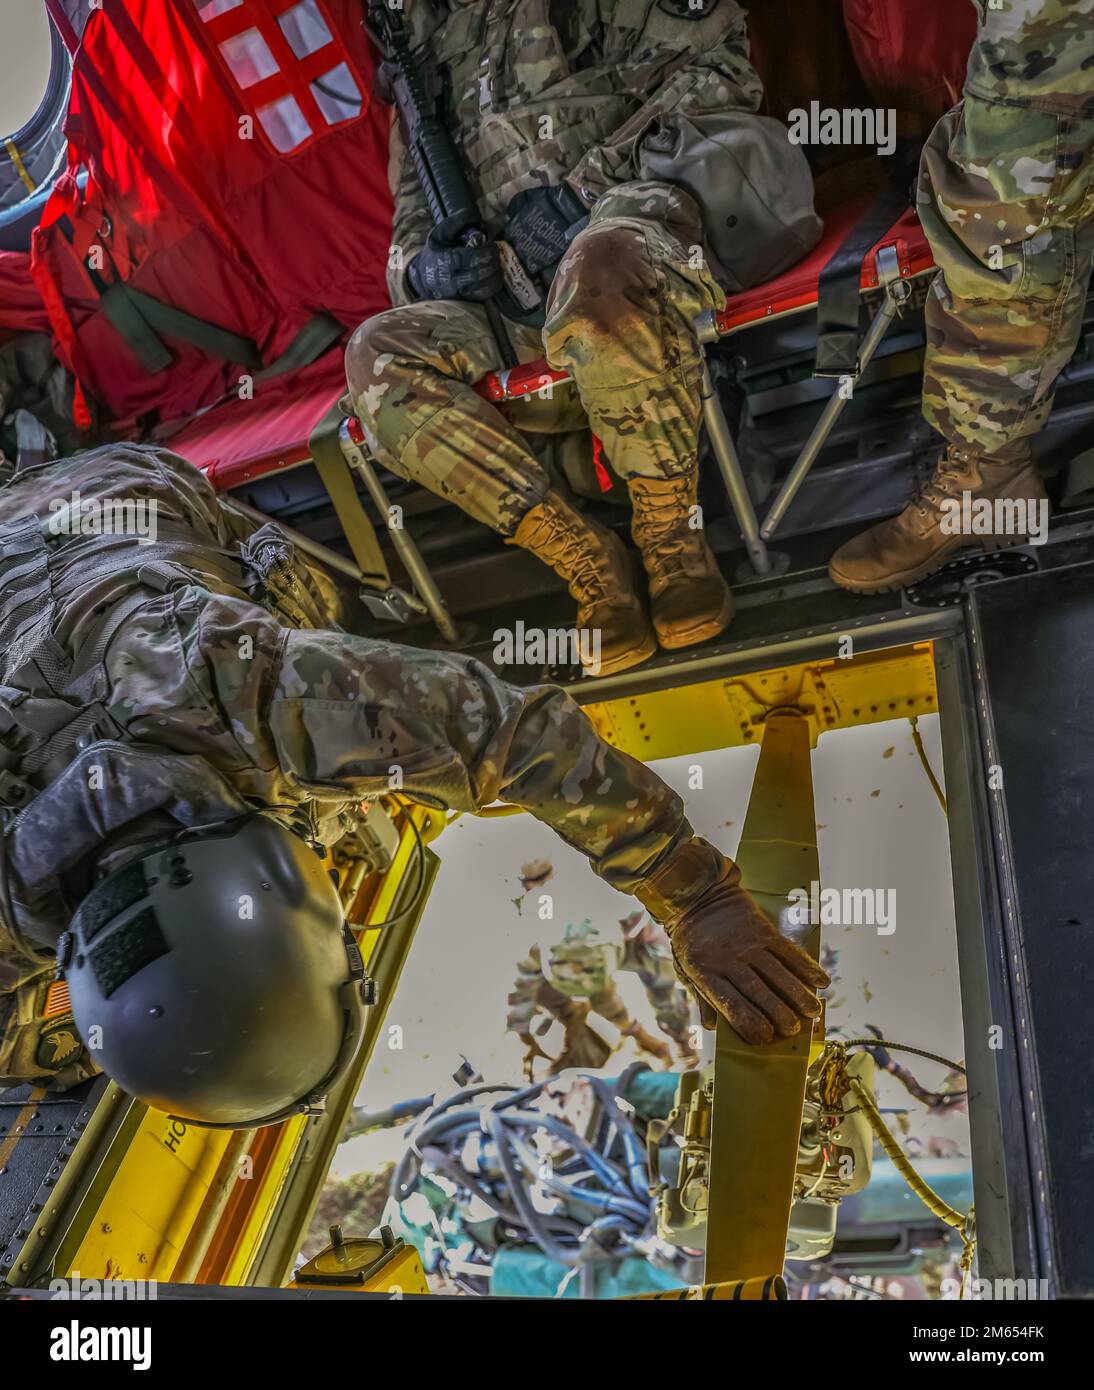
x: 578, y: 979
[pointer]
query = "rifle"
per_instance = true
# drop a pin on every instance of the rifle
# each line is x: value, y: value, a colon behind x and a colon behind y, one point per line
x: 436, y: 159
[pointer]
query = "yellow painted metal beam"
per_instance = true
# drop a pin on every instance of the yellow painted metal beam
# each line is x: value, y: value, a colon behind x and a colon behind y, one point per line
x: 730, y: 713
x: 142, y: 1224
x: 759, y: 1092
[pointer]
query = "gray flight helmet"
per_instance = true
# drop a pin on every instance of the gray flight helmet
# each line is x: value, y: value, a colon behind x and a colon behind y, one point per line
x: 214, y: 977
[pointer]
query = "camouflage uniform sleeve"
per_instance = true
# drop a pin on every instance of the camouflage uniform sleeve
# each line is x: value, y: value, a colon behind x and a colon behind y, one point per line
x: 412, y: 221
x: 690, y: 59
x: 368, y: 717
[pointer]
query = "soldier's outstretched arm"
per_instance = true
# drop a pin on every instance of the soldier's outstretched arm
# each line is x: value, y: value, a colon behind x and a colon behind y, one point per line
x: 372, y: 716
x: 369, y: 716
x: 687, y: 58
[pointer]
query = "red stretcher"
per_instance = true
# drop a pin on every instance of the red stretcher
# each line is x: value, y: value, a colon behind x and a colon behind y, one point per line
x: 295, y: 422
x: 237, y: 443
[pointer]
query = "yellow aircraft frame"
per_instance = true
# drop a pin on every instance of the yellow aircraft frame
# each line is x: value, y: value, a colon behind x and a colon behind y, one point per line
x: 145, y: 1197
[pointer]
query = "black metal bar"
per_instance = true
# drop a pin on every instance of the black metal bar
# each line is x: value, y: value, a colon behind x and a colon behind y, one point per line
x: 1032, y: 648
x: 1002, y: 1166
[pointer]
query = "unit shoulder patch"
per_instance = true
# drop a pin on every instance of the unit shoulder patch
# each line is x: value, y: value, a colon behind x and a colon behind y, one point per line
x: 58, y: 1045
x: 688, y: 9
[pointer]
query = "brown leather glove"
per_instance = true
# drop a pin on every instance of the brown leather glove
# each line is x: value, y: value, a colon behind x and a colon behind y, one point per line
x: 728, y: 951
x: 738, y: 964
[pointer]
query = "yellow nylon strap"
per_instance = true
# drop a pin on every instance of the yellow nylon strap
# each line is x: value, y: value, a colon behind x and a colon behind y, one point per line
x: 20, y: 167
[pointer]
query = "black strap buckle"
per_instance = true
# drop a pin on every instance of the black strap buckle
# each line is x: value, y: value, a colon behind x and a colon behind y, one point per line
x: 353, y: 953
x: 15, y: 792
x: 66, y: 945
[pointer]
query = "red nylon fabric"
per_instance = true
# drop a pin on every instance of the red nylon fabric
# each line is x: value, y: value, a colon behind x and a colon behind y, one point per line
x: 912, y: 53
x: 225, y: 227
x: 21, y: 307
x: 243, y: 440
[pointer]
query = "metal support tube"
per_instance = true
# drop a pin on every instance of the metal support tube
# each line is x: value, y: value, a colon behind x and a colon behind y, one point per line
x: 407, y: 551
x: 323, y: 553
x: 759, y: 1092
x: 825, y: 425
x: 729, y: 465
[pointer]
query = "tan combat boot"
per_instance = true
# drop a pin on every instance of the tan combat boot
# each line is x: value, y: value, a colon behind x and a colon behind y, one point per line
x: 689, y: 599
x: 972, y: 499
x: 596, y: 570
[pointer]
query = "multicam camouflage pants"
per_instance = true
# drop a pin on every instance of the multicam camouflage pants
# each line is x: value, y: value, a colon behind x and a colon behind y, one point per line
x: 1006, y: 196
x: 619, y: 320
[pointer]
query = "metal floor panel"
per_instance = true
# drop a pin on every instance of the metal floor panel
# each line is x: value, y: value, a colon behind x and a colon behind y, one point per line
x: 38, y: 1133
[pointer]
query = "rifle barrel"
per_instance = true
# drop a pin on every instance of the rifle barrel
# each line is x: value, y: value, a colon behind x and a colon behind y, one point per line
x: 436, y: 159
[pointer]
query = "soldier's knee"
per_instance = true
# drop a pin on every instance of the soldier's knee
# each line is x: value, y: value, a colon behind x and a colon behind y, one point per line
x: 385, y: 356
x: 391, y: 342
x: 607, y: 273
x: 606, y: 291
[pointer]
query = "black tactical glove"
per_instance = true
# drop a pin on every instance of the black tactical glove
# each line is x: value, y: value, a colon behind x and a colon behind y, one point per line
x: 442, y: 269
x: 541, y: 223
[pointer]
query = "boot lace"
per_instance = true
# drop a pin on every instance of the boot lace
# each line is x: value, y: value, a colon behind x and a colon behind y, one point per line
x: 657, y: 526
x: 943, y: 483
x: 576, y: 561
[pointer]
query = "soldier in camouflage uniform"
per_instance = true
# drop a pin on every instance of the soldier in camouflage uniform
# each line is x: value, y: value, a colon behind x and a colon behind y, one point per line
x: 1006, y: 196
x: 550, y: 100
x: 153, y: 676
x: 579, y: 979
